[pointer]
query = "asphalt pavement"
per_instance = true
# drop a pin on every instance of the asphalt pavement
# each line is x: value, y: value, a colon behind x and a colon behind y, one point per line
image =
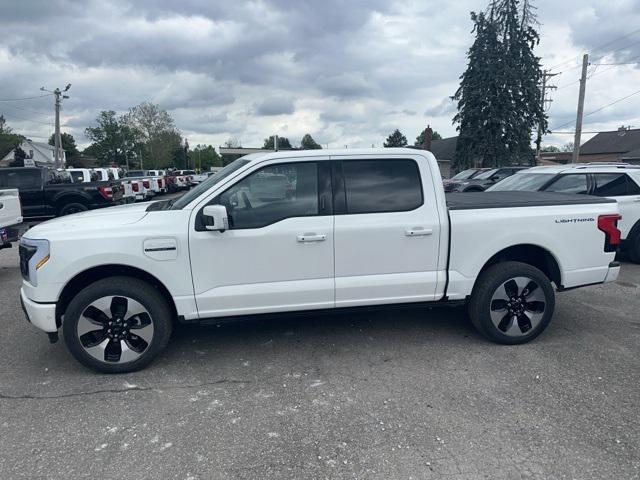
x: 396, y: 394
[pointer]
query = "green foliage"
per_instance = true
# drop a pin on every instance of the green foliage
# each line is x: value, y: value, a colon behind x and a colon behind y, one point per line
x: 8, y: 139
x: 308, y: 143
x: 204, y: 157
x: 396, y: 139
x: 283, y: 143
x: 499, y: 99
x: 420, y: 138
x: 18, y: 157
x: 68, y: 144
x: 550, y: 148
x: 113, y: 140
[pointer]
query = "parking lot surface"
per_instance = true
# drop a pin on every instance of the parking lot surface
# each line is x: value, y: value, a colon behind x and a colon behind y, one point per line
x: 412, y: 393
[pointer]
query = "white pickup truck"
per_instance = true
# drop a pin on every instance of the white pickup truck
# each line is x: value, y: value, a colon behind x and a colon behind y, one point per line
x: 10, y: 216
x: 309, y: 230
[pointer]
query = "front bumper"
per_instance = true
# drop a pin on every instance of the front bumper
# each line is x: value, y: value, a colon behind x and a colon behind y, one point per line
x: 42, y: 315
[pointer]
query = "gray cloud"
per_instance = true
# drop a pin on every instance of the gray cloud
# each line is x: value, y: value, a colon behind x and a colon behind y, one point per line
x: 275, y: 106
x: 346, y: 72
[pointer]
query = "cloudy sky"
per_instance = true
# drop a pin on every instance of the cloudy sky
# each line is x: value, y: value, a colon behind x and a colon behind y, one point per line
x: 348, y: 72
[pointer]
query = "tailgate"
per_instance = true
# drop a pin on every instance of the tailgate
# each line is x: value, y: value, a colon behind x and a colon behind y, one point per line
x: 10, y: 208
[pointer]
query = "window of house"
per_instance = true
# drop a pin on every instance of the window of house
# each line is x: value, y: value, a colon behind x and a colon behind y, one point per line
x: 573, y: 183
x: 272, y: 194
x: 382, y: 185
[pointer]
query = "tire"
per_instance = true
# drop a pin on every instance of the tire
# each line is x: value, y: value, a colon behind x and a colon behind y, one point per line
x: 69, y: 208
x: 633, y: 248
x: 501, y: 309
x: 117, y: 343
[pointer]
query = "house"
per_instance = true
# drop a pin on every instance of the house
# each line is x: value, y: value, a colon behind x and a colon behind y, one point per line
x: 445, y: 151
x: 622, y: 145
x: 38, y: 154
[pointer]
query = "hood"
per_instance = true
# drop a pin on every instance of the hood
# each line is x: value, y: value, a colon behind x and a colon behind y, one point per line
x: 90, y: 220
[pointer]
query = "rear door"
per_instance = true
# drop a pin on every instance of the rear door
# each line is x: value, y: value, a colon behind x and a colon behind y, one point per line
x: 387, y: 231
x: 625, y: 191
x: 569, y: 183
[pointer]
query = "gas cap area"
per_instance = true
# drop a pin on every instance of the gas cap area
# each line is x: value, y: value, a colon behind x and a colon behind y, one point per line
x: 161, y: 249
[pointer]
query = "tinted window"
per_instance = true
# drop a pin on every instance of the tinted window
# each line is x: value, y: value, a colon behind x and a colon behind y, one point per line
x: 614, y: 185
x: 272, y: 194
x: 78, y: 177
x: 381, y: 185
x: 530, y: 182
x: 569, y: 184
x: 24, y: 179
x: 465, y: 174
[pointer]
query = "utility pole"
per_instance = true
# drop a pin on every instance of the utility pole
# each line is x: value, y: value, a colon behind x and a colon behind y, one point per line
x: 57, y: 139
x: 275, y: 143
x: 583, y: 85
x: 544, y: 101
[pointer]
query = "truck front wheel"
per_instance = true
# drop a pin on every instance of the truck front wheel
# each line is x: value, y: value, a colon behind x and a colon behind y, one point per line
x: 117, y: 325
x: 512, y: 303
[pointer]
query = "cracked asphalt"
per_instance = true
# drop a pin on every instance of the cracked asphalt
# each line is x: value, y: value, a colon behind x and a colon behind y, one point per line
x: 397, y: 394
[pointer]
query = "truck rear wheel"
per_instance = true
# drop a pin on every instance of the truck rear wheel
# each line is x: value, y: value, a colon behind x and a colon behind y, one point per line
x: 73, y: 207
x: 117, y: 325
x: 512, y: 303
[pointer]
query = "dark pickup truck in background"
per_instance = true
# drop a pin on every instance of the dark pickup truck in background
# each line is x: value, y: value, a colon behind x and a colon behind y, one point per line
x: 45, y: 193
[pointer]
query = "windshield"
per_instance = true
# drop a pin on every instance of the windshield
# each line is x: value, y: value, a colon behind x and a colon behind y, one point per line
x: 486, y: 175
x: 523, y: 181
x: 463, y: 175
x: 135, y: 173
x: 208, y: 183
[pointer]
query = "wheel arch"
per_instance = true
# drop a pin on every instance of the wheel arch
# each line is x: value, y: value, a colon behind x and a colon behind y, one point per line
x: 89, y: 276
x: 531, y: 254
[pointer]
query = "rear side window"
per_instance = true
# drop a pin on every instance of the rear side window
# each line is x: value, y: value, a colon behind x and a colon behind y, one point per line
x: 20, y: 179
x: 569, y: 184
x: 375, y: 186
x: 615, y: 185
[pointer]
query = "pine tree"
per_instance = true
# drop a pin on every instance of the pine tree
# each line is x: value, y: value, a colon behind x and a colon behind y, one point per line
x: 396, y: 139
x: 499, y: 100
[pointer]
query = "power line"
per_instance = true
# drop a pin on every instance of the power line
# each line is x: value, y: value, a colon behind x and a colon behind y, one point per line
x: 37, y: 112
x: 24, y: 98
x: 30, y: 119
x: 597, y: 110
x: 599, y: 47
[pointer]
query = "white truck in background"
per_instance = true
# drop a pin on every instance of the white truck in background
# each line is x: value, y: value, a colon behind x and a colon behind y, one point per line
x: 113, y: 174
x: 310, y: 230
x: 10, y: 216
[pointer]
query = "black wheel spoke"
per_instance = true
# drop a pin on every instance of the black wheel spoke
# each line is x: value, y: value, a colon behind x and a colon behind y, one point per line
x: 93, y: 338
x: 529, y: 289
x: 505, y: 322
x: 498, y: 304
x: 511, y: 287
x: 113, y: 351
x: 119, y: 306
x: 536, y: 307
x: 95, y: 315
x: 136, y: 343
x: 524, y: 323
x: 139, y: 320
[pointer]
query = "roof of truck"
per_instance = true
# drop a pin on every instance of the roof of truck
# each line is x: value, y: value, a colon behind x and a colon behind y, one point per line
x: 586, y: 167
x: 335, y: 152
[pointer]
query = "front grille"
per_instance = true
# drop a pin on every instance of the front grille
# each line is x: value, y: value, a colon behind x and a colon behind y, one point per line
x: 26, y: 252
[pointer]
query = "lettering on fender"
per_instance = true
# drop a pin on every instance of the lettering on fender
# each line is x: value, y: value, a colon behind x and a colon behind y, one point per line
x: 575, y: 220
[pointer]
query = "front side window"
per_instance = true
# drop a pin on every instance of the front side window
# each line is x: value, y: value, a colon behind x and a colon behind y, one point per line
x: 614, y: 185
x: 376, y: 186
x: 272, y: 194
x: 569, y: 184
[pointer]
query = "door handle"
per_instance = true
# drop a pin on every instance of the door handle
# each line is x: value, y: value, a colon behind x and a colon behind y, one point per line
x: 418, y: 232
x: 311, y: 237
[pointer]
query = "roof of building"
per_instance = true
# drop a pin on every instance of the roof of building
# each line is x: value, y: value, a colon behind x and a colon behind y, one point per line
x: 618, y: 141
x: 444, y: 149
x: 632, y: 155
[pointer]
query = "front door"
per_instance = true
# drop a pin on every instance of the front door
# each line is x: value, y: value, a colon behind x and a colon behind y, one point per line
x: 387, y: 231
x: 278, y: 252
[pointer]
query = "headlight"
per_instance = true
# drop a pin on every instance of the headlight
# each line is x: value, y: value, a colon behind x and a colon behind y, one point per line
x: 34, y: 254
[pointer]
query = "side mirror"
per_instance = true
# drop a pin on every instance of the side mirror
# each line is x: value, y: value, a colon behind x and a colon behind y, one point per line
x: 215, y: 218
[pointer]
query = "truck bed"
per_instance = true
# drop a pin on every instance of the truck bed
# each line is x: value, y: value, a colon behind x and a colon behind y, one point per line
x: 480, y: 200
